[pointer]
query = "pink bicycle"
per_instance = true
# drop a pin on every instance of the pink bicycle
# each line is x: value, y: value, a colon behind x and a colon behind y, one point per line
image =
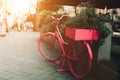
x: 77, y: 55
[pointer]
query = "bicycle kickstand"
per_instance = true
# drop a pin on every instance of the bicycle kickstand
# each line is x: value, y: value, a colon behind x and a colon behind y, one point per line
x: 62, y: 66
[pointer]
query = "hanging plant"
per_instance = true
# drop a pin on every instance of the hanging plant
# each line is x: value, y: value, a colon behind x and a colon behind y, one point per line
x: 87, y: 19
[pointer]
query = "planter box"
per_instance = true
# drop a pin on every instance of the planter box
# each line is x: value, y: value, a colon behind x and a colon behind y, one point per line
x: 82, y: 34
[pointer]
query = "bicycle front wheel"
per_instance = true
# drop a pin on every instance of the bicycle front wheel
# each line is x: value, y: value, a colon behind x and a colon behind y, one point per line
x: 83, y: 59
x: 49, y: 47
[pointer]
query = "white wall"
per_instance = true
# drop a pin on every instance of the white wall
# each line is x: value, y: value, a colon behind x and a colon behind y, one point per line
x: 105, y: 50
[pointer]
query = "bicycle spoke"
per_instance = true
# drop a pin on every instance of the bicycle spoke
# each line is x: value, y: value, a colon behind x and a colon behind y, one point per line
x: 49, y: 47
x: 80, y: 67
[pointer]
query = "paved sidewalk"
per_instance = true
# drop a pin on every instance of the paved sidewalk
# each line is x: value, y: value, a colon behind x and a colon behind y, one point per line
x: 21, y: 60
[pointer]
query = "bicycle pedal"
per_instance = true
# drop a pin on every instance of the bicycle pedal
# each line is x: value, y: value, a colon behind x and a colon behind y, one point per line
x: 57, y: 62
x: 62, y: 70
x: 77, y: 58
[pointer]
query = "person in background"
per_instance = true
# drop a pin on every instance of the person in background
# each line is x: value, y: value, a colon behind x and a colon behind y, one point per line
x: 3, y: 27
x: 10, y: 22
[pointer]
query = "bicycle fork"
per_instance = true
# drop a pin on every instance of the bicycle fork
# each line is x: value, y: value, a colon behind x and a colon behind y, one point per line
x: 65, y: 56
x: 62, y: 67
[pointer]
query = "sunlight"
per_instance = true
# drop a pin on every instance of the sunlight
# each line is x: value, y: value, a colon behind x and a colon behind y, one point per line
x: 20, y: 6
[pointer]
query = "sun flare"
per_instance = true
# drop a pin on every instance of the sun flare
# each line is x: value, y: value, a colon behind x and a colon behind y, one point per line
x: 20, y: 6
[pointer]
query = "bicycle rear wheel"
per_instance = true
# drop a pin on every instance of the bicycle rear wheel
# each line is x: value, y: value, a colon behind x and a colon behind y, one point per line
x: 83, y: 63
x: 49, y: 47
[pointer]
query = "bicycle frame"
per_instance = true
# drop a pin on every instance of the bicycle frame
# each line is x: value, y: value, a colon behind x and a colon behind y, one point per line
x: 61, y: 40
x: 70, y: 54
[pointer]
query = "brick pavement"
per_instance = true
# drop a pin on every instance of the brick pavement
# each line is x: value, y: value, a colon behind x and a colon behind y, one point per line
x: 20, y: 59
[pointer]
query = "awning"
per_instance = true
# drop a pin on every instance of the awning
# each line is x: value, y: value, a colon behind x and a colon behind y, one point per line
x: 96, y: 3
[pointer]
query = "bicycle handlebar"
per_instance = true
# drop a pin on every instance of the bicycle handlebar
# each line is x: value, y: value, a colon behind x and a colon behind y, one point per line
x: 58, y: 19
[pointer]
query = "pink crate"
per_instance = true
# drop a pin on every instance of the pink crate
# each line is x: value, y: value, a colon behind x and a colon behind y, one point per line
x: 82, y: 34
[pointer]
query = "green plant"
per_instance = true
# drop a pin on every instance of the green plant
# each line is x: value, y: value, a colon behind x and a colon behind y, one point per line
x: 84, y: 19
x: 46, y: 23
x: 88, y: 19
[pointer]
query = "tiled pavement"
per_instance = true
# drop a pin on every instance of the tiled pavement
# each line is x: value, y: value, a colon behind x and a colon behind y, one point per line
x: 21, y: 60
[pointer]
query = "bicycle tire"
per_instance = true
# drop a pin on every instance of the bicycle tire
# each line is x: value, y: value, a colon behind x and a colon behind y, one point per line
x: 47, y: 49
x: 81, y: 66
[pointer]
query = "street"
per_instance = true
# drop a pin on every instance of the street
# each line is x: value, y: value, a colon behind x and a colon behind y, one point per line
x: 21, y: 60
